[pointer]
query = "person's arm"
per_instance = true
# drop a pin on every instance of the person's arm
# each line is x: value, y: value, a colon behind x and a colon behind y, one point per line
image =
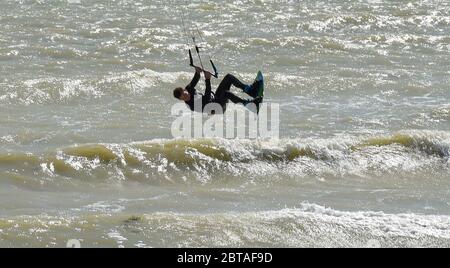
x: 194, y: 82
x: 208, y: 85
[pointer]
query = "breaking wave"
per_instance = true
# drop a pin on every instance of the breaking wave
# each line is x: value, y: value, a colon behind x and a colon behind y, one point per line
x: 208, y: 160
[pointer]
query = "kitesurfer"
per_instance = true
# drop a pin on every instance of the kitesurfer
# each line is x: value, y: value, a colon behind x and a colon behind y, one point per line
x: 222, y: 95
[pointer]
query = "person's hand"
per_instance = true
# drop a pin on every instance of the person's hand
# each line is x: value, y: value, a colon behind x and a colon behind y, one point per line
x: 198, y: 70
x: 207, y: 75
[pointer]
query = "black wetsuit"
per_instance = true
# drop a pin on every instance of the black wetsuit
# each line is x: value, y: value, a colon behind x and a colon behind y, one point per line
x: 221, y: 96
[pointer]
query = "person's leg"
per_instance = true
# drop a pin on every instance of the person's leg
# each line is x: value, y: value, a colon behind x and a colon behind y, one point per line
x: 236, y: 82
x: 225, y: 86
x: 235, y: 99
x: 251, y: 90
x: 223, y: 94
x: 223, y: 100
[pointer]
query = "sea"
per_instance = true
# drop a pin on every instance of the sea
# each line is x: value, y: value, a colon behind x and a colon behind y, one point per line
x: 88, y: 157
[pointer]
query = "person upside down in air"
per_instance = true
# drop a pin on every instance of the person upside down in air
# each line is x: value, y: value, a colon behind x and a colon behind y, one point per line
x: 222, y: 95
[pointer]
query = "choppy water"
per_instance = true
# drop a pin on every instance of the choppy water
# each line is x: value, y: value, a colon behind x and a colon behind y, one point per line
x: 87, y: 152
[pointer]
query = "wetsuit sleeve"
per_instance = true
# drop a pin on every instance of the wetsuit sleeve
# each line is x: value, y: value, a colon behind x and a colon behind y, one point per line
x: 194, y: 82
x: 208, y: 89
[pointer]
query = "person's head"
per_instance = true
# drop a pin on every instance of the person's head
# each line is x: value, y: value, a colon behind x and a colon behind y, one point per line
x: 181, y: 94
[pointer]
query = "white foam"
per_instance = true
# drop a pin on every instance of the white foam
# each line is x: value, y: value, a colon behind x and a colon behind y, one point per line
x: 105, y: 207
x: 378, y: 223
